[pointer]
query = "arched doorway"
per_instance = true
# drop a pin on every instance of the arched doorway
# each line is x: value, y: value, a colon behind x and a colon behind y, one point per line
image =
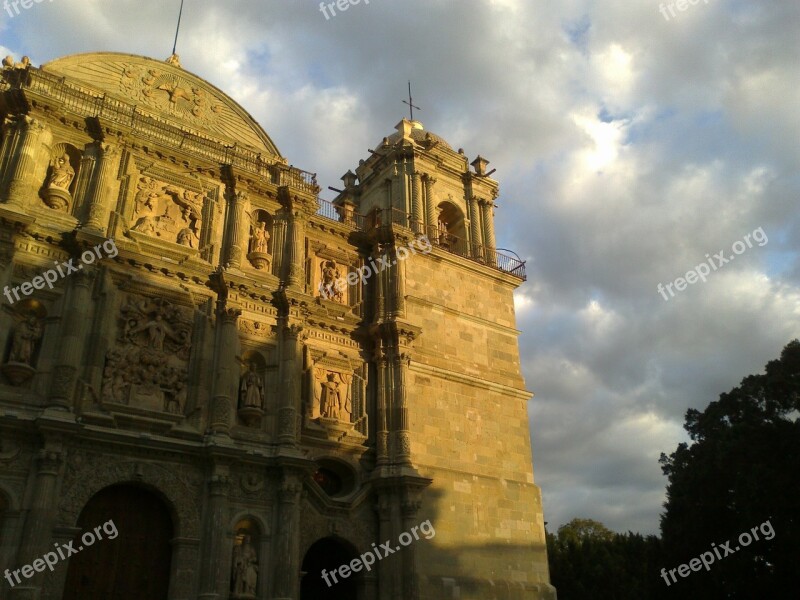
x: 136, y: 563
x: 329, y: 554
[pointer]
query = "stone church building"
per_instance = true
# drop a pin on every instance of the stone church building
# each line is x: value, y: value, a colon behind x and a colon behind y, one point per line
x: 215, y: 385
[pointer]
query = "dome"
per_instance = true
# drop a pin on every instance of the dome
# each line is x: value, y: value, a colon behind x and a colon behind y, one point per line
x: 165, y: 91
x: 418, y: 134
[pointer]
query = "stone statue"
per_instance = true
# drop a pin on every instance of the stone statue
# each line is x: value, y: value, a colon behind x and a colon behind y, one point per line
x: 259, y: 241
x: 157, y: 330
x: 177, y: 403
x: 328, y: 287
x: 330, y: 405
x: 245, y: 569
x: 252, y: 390
x: 62, y: 174
x: 24, y: 341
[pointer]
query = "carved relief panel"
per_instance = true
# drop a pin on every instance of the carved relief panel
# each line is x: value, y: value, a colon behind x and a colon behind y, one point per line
x: 168, y: 212
x: 148, y: 366
x: 329, y: 280
x: 335, y: 396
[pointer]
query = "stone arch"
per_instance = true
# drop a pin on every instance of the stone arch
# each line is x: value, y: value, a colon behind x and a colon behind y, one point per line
x: 451, y: 223
x: 326, y: 555
x: 95, y: 475
x: 144, y: 518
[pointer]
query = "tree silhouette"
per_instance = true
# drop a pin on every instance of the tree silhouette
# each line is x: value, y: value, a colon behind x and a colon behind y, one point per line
x: 741, y: 471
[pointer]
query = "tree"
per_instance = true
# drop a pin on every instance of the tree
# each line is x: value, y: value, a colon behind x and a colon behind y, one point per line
x: 588, y: 560
x: 741, y: 471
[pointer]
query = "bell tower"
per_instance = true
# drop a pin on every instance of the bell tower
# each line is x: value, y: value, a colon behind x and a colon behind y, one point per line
x: 449, y: 401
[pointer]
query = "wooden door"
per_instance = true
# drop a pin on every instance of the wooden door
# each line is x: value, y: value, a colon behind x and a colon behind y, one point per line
x: 133, y: 566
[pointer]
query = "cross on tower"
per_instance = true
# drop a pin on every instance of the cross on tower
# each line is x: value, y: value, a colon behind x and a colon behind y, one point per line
x: 410, y: 102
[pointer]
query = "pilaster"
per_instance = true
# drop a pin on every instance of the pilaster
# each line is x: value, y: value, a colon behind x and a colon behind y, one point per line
x: 213, y: 580
x: 75, y: 323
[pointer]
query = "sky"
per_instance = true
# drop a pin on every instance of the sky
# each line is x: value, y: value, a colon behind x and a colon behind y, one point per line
x: 632, y: 142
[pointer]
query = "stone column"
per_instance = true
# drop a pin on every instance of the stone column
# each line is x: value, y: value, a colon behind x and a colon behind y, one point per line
x: 417, y: 214
x: 291, y: 385
x: 103, y: 190
x: 227, y: 373
x: 287, y: 563
x: 430, y: 209
x: 213, y: 581
x: 295, y: 255
x: 488, y: 231
x: 237, y: 241
x: 402, y: 436
x: 75, y: 320
x: 279, y: 229
x: 20, y: 186
x: 475, y: 227
x: 39, y: 522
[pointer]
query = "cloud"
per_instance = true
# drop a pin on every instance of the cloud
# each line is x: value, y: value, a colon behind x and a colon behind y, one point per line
x: 627, y: 148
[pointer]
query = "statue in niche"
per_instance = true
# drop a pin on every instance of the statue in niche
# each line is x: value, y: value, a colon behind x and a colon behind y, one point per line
x: 27, y: 333
x: 62, y: 174
x: 259, y: 241
x: 252, y: 389
x: 332, y: 395
x: 258, y: 245
x: 330, y: 398
x: 245, y: 569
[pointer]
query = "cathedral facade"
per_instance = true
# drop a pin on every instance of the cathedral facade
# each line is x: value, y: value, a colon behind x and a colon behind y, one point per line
x: 215, y: 385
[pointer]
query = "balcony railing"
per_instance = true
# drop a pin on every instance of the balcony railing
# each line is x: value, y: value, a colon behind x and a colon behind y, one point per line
x: 456, y: 245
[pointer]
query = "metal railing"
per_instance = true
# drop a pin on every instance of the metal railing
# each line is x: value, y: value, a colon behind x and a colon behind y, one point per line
x: 388, y: 217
